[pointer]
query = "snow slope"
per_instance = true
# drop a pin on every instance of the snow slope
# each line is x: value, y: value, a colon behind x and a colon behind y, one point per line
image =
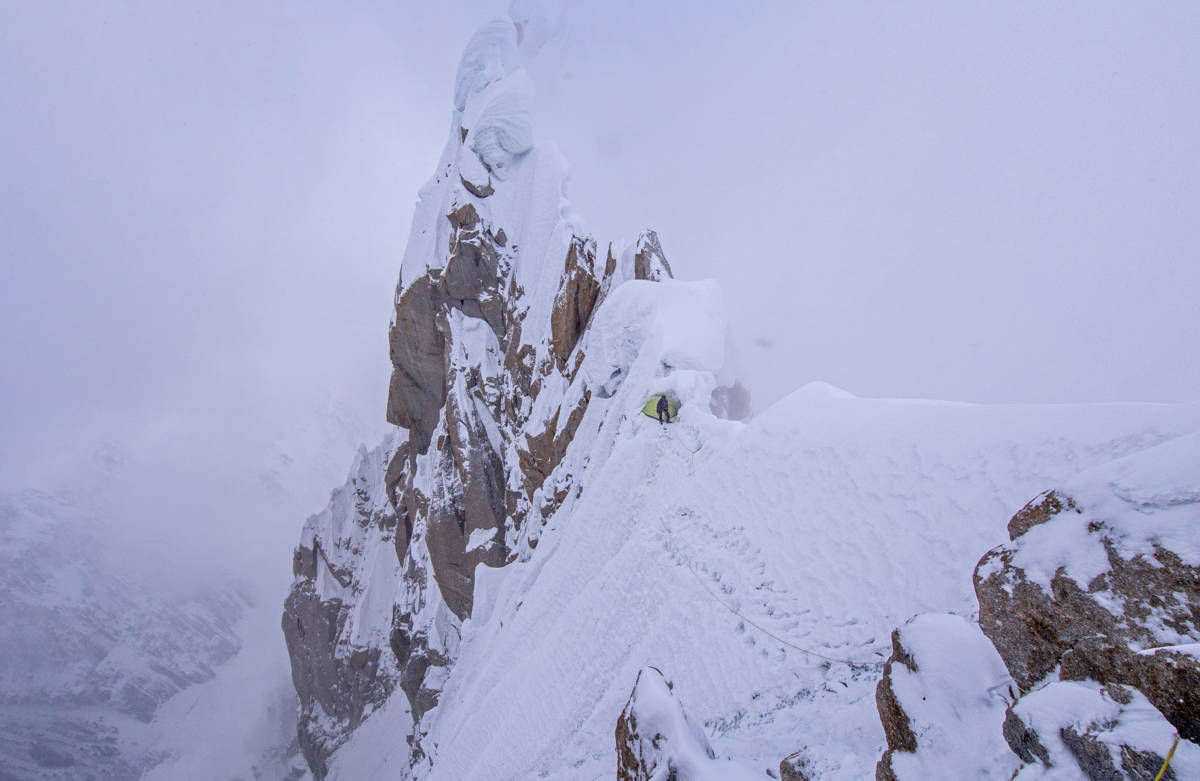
x: 828, y: 520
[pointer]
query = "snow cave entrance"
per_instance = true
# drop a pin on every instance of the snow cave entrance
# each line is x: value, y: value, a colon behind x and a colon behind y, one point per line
x: 650, y: 408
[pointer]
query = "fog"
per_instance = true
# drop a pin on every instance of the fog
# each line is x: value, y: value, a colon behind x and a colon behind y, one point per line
x: 205, y: 205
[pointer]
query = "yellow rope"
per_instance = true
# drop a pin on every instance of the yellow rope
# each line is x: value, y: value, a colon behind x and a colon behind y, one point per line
x: 771, y: 634
x: 1167, y: 761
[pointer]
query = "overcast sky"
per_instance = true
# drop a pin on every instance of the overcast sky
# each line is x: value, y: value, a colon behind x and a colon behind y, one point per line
x: 204, y: 205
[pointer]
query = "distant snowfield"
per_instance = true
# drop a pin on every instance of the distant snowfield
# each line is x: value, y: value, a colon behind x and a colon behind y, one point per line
x: 828, y: 520
x: 244, y: 718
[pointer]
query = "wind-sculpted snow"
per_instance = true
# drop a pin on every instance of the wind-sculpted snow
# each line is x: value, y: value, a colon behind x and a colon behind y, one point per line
x: 656, y: 739
x: 828, y: 520
x: 490, y: 55
x: 549, y: 537
x: 496, y: 296
x: 942, y: 703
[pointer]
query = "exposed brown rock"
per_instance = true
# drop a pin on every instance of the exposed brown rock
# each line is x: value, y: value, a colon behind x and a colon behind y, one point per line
x: 344, y: 682
x: 650, y: 737
x: 472, y: 499
x: 472, y: 270
x: 1105, y: 733
x: 478, y: 190
x: 1037, y: 630
x: 472, y: 507
x: 411, y: 649
x: 897, y: 727
x: 915, y: 683
x: 794, y: 768
x: 398, y: 479
x: 649, y: 262
x: 573, y: 306
x: 338, y: 679
x: 1024, y: 741
x: 1170, y: 679
x: 418, y: 344
x: 1039, y: 511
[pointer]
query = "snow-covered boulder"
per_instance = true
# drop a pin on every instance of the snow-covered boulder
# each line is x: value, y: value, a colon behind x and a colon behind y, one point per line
x: 497, y: 292
x: 1101, y: 581
x: 655, y: 739
x: 942, y: 701
x: 1068, y: 730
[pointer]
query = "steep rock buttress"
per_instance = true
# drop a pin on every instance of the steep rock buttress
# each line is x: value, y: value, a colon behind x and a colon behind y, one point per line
x: 496, y: 293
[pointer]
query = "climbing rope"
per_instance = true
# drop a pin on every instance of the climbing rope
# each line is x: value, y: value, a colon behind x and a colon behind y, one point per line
x: 774, y: 636
x: 1167, y: 761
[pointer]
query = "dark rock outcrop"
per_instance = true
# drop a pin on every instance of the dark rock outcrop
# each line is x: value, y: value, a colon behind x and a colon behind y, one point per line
x: 1093, y: 630
x: 487, y: 391
x: 577, y: 295
x: 654, y: 737
x: 649, y: 262
x: 1094, y: 608
x: 1103, y: 733
x: 794, y: 768
x: 938, y: 659
x: 340, y: 672
x: 343, y: 682
x: 897, y: 727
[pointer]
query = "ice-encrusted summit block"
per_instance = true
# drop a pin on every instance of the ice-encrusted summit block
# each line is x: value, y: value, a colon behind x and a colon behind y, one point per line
x: 497, y: 289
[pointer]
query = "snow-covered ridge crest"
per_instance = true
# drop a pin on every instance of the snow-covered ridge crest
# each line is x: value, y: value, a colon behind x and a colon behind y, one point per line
x: 491, y: 388
x: 544, y: 528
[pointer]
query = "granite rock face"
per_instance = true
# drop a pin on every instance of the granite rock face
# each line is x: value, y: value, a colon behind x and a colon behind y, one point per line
x: 1094, y: 609
x: 1122, y: 625
x: 341, y: 668
x: 495, y: 298
x: 1086, y: 730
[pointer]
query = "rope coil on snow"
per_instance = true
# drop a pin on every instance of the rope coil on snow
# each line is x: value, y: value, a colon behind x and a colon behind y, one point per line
x: 777, y: 638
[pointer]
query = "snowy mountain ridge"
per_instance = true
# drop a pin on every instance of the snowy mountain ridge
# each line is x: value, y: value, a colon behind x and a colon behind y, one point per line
x: 490, y: 385
x: 481, y: 596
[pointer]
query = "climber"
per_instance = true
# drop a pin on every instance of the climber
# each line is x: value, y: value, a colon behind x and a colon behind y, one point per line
x: 663, y: 408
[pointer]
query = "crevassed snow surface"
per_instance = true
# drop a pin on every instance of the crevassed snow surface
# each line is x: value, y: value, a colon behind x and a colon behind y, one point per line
x: 828, y: 520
